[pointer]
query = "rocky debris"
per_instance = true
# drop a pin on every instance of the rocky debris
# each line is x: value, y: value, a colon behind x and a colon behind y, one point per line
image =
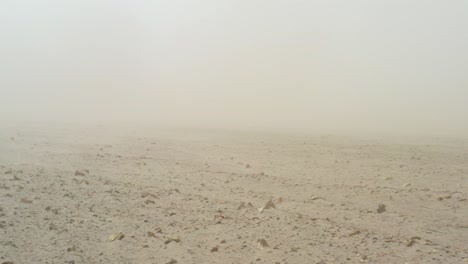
x: 75, y: 180
x: 146, y: 194
x: 381, y: 208
x: 169, y: 239
x: 81, y: 172
x: 314, y: 198
x: 288, y: 232
x: 262, y: 243
x: 73, y: 248
x: 9, y: 243
x: 116, y: 236
x: 26, y: 200
x: 172, y: 261
x: 175, y: 190
x: 9, y: 171
x: 243, y: 205
x: 412, y: 241
x: 268, y: 205
x: 214, y: 249
x: 150, y: 202
x: 218, y: 218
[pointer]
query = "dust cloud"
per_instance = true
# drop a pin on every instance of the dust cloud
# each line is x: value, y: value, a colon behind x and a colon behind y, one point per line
x: 330, y: 66
x: 216, y: 131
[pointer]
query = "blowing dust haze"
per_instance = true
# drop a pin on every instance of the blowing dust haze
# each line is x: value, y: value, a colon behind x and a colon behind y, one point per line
x: 243, y: 131
x: 365, y: 66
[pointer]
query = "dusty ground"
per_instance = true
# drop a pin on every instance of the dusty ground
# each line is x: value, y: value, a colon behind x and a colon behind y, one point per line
x: 194, y: 197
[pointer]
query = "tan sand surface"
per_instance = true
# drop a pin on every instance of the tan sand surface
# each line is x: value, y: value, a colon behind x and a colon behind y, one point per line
x: 193, y: 196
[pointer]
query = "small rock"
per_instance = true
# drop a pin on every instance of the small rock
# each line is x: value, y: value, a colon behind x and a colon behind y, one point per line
x: 84, y: 181
x: 381, y: 208
x: 268, y: 205
x: 73, y: 248
x: 316, y: 198
x: 247, y: 166
x: 80, y: 173
x: 171, y: 261
x: 412, y: 240
x: 295, y: 249
x: 241, y: 205
x: 116, y: 236
x: 214, y: 249
x: 146, y: 194
x: 262, y: 243
x: 25, y: 200
x: 169, y: 239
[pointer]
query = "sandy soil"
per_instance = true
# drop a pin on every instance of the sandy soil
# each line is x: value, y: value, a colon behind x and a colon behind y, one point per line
x: 196, y: 197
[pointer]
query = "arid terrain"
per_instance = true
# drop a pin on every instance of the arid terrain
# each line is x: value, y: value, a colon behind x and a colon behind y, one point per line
x: 76, y: 194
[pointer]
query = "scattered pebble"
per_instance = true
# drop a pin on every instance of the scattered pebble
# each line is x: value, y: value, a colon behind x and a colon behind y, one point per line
x: 381, y: 208
x: 170, y: 239
x: 73, y: 248
x: 268, y: 205
x: 412, y: 240
x: 26, y: 200
x: 214, y: 249
x: 262, y: 243
x: 80, y: 173
x: 116, y: 236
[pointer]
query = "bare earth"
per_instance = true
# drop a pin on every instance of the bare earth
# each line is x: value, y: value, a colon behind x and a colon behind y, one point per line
x: 180, y: 196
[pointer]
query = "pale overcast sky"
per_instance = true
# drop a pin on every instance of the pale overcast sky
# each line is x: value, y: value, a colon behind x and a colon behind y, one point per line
x: 361, y: 65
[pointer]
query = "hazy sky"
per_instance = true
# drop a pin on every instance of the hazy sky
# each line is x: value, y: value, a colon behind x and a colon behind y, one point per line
x: 375, y: 65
